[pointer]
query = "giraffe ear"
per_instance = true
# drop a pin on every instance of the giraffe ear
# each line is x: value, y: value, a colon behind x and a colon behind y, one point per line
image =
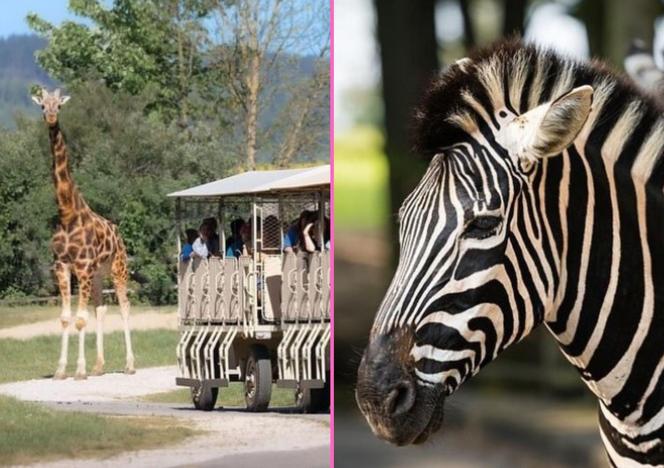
x: 64, y: 99
x: 37, y: 100
x: 548, y: 129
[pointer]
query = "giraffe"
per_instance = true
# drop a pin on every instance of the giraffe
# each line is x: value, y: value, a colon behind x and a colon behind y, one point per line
x: 86, y: 245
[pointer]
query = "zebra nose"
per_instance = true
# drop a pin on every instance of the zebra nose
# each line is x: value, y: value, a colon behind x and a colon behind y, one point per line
x: 400, y: 399
x: 385, y: 385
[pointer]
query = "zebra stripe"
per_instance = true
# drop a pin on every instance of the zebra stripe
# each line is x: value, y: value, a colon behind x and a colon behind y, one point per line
x: 578, y: 240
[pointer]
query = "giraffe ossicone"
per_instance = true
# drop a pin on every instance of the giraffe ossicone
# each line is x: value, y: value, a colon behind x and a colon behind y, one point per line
x: 85, y: 244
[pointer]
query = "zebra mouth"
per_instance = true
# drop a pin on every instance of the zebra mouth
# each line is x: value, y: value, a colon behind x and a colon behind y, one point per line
x: 434, y: 424
x: 419, y: 423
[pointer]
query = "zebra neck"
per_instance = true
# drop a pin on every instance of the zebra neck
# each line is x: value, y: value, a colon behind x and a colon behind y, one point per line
x: 606, y: 214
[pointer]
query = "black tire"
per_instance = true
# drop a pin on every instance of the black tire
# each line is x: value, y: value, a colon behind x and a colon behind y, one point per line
x: 258, y: 379
x: 204, y: 397
x: 313, y: 400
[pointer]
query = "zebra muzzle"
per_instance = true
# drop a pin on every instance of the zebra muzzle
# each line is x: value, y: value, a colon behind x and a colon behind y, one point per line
x: 397, y: 409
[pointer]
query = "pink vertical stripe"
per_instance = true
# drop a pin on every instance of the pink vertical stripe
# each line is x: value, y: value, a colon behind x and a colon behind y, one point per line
x: 332, y: 231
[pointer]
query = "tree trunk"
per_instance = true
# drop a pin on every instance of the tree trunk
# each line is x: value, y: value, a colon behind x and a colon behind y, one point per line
x: 253, y: 80
x: 514, y: 17
x: 627, y: 21
x: 593, y: 15
x: 469, y: 40
x: 408, y: 52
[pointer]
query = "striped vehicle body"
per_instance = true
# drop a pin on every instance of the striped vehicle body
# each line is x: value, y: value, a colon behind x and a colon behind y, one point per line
x: 507, y: 230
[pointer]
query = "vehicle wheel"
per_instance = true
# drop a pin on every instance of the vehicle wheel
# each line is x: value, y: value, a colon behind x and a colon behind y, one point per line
x: 258, y: 379
x: 313, y: 400
x: 204, y: 397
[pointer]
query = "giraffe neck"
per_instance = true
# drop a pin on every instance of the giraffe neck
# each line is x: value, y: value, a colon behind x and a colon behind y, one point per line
x: 67, y: 197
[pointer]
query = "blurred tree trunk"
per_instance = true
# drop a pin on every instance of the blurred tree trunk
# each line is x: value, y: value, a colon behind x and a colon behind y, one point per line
x: 613, y: 24
x: 469, y: 40
x: 514, y: 17
x: 409, y: 59
x: 593, y: 14
x: 628, y: 20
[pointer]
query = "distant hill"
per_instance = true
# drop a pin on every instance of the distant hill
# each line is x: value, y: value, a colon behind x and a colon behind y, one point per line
x: 19, y: 70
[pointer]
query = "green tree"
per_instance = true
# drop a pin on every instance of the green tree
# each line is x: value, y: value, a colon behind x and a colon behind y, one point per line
x: 133, y: 46
x: 256, y: 51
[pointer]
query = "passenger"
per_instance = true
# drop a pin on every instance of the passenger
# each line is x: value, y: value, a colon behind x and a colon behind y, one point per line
x: 291, y: 237
x: 212, y: 242
x: 298, y: 236
x: 246, y: 233
x: 314, y: 237
x: 235, y: 244
x: 199, y: 246
x: 187, y: 249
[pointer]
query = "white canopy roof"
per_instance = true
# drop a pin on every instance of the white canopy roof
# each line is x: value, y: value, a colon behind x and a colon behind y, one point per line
x: 256, y: 182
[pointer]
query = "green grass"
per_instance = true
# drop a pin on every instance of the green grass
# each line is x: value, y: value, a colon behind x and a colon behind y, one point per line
x: 360, y: 180
x: 31, y: 433
x: 38, y: 357
x: 231, y: 396
x: 11, y: 316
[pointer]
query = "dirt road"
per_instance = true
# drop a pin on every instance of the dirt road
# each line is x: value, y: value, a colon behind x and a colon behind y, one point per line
x: 112, y: 322
x: 249, y: 439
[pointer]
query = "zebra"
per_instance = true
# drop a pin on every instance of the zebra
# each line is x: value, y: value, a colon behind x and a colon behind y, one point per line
x: 542, y: 204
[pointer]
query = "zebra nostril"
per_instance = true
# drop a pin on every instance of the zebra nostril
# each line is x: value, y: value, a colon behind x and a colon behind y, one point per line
x: 400, y: 399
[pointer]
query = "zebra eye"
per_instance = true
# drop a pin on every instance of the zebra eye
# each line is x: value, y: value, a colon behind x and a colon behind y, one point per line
x: 482, y: 227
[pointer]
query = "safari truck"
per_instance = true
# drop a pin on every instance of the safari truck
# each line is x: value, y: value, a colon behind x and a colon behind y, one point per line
x: 261, y: 316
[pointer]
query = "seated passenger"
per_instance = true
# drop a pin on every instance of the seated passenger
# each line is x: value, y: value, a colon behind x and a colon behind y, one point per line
x: 187, y: 248
x: 235, y: 244
x: 291, y: 237
x: 212, y: 242
x: 326, y: 234
x: 303, y: 235
x: 294, y: 238
x: 247, y: 233
x: 199, y: 246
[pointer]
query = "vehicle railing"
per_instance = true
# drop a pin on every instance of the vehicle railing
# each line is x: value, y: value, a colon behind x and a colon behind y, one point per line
x: 228, y: 291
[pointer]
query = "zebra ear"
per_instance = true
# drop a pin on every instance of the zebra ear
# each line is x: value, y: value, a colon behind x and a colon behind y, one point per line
x: 549, y: 128
x: 562, y: 122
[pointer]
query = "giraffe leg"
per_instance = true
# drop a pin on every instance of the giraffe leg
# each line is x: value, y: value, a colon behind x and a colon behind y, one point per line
x: 63, y: 276
x: 120, y: 276
x: 84, y: 290
x: 100, y: 312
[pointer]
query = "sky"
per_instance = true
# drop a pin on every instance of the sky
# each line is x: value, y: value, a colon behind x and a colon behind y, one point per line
x: 12, y: 20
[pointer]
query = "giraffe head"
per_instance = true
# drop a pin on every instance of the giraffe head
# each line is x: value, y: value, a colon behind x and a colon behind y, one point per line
x: 50, y: 104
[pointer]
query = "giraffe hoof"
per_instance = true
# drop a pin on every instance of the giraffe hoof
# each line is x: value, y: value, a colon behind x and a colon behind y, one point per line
x: 98, y: 370
x: 80, y: 376
x: 59, y: 375
x: 80, y: 323
x: 129, y: 371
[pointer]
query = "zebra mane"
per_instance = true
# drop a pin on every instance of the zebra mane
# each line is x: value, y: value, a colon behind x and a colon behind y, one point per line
x: 518, y: 77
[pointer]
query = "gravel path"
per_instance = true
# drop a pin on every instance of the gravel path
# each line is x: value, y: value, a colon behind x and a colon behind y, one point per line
x: 246, y: 438
x: 108, y: 387
x: 112, y: 322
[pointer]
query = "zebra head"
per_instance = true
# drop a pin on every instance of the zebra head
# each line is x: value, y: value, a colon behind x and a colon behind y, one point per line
x: 474, y: 271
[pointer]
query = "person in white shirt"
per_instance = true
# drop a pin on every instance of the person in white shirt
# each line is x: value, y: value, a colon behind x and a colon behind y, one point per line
x: 199, y: 246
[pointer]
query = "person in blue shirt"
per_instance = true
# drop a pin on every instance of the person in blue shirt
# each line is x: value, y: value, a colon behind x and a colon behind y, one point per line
x: 235, y: 243
x: 291, y: 237
x: 187, y: 249
x: 298, y: 236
